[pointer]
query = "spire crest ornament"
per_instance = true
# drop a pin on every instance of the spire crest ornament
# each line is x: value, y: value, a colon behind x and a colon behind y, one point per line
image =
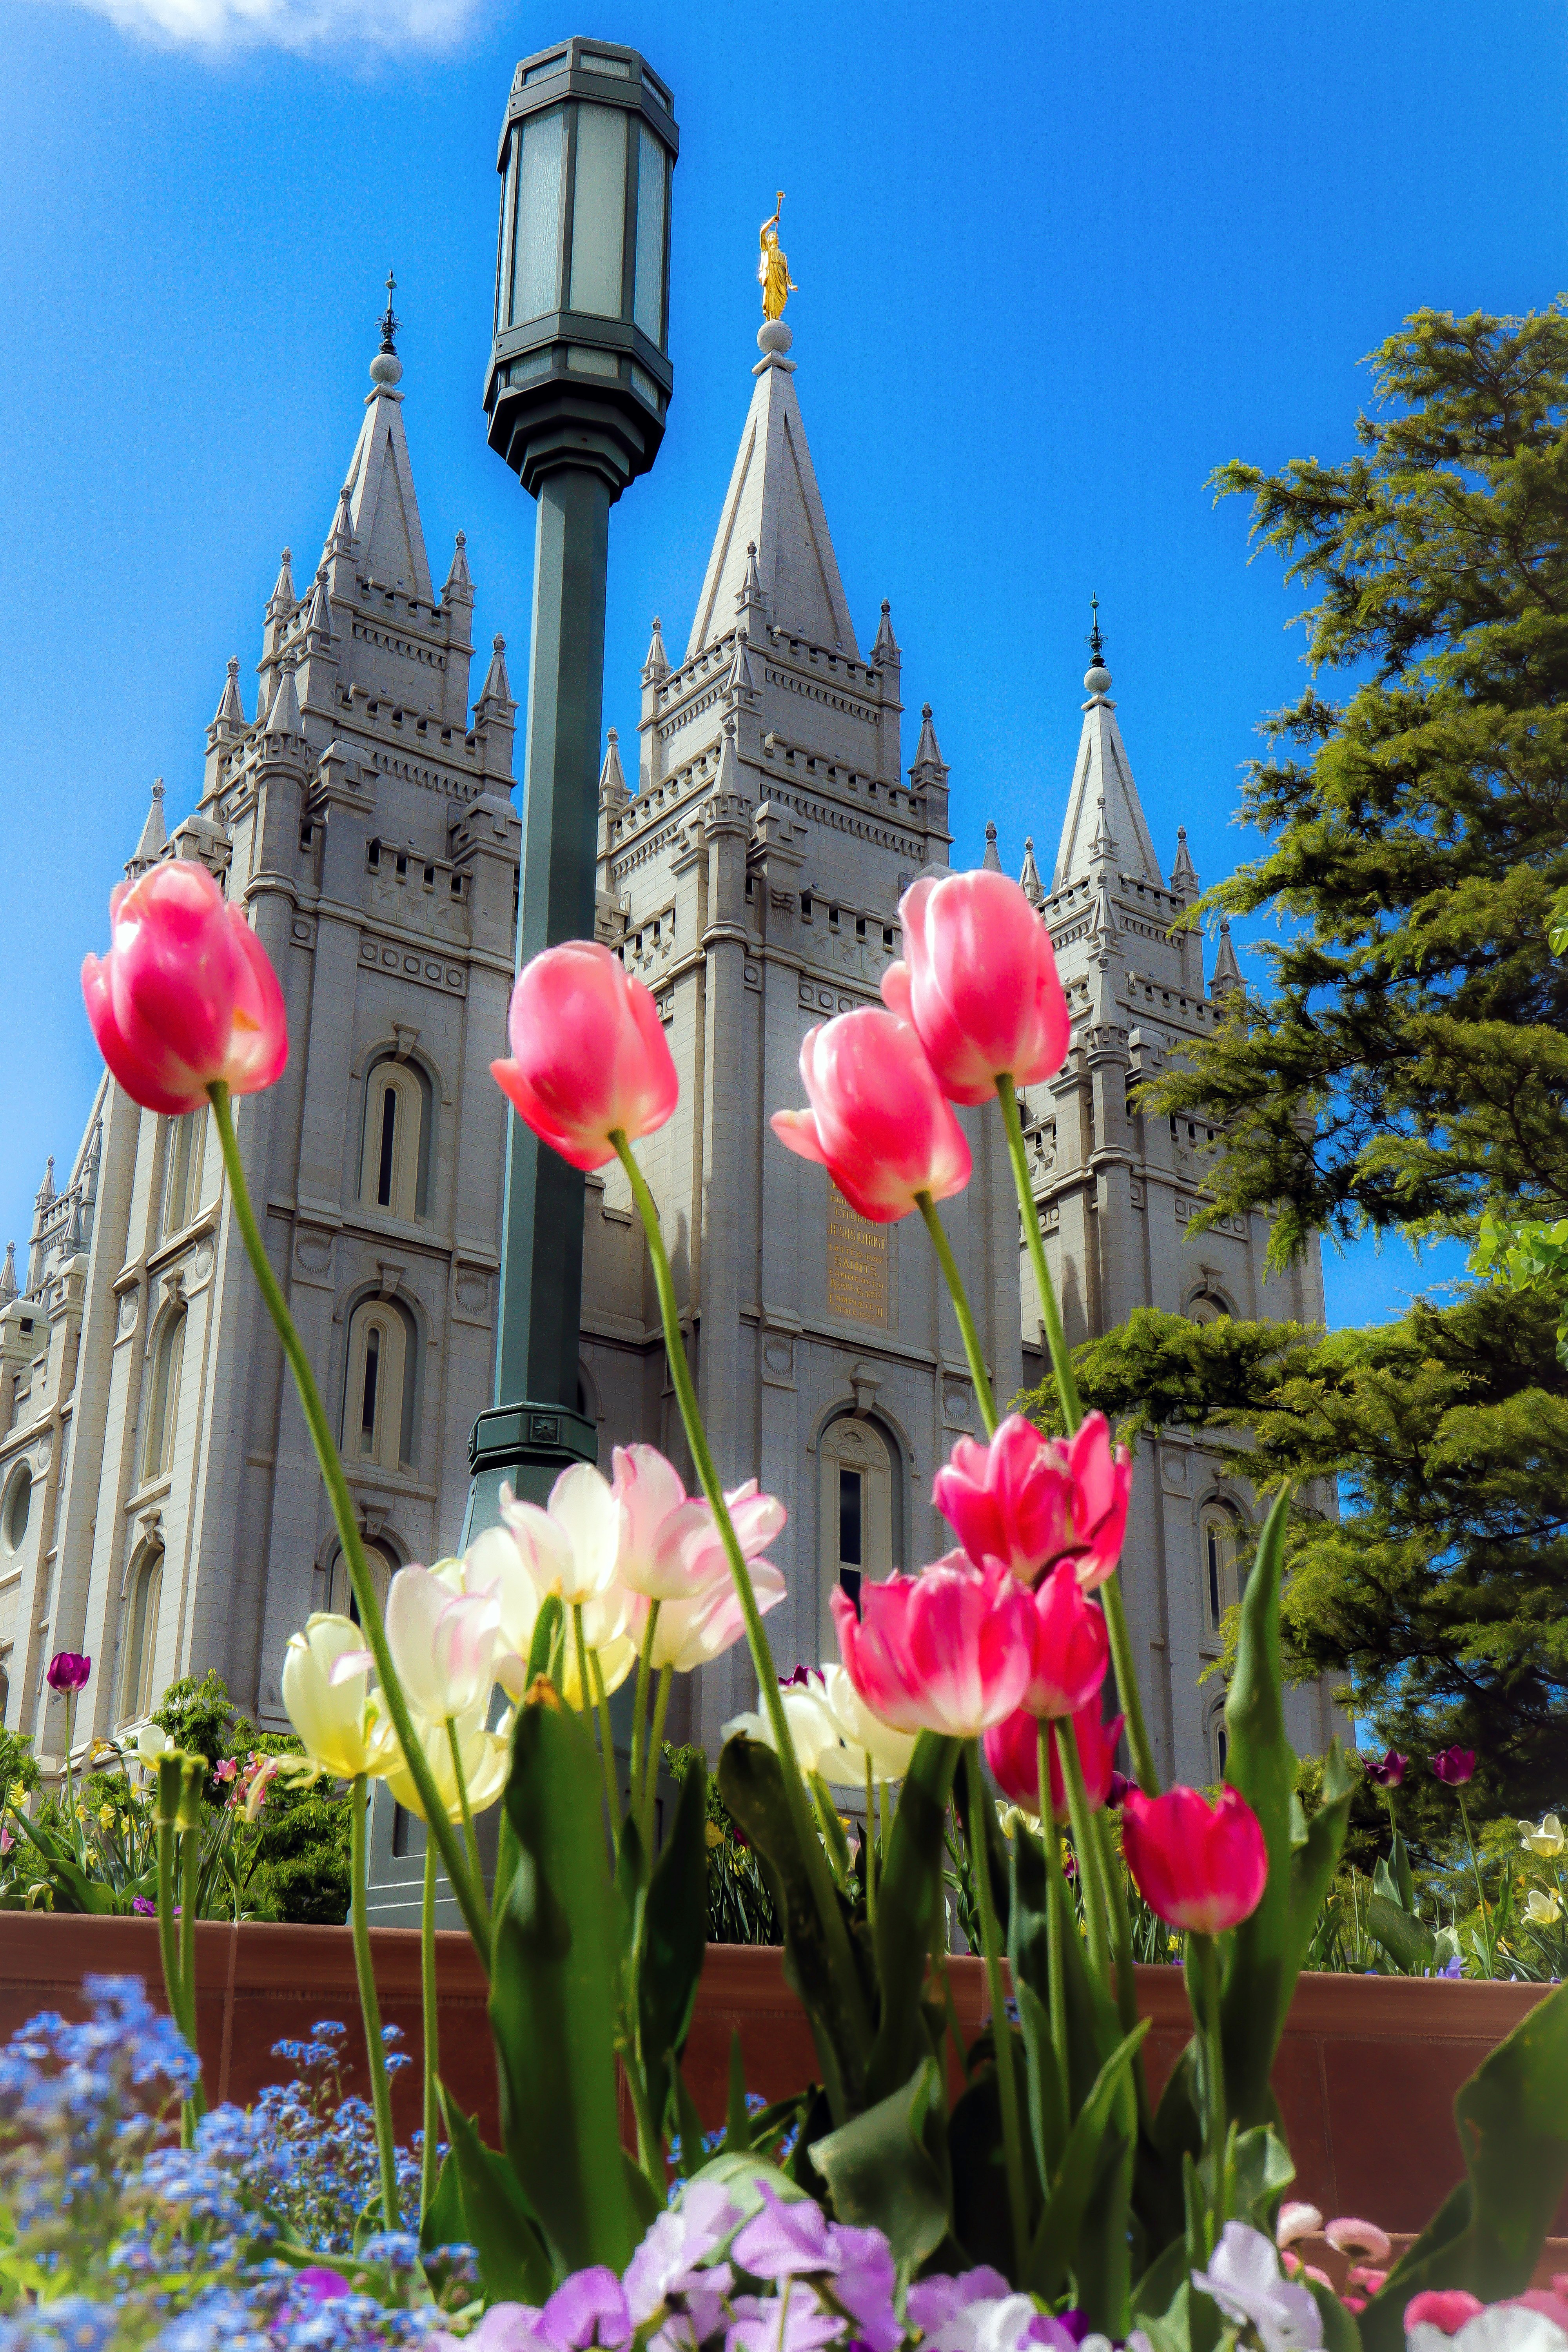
x: 389, y: 324
x: 773, y: 268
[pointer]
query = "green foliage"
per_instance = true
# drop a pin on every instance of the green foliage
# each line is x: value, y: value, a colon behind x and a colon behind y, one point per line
x: 740, y: 1910
x: 302, y: 1869
x: 1438, y: 1597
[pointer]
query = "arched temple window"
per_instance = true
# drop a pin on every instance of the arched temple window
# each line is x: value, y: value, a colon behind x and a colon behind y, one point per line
x: 185, y: 1154
x: 1217, y: 1534
x: 164, y: 1393
x: 378, y: 1395
x: 339, y: 1595
x: 395, y: 1153
x: 138, y: 1671
x: 857, y: 1512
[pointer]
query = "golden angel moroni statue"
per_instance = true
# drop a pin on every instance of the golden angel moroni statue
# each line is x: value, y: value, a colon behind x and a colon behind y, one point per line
x: 772, y: 266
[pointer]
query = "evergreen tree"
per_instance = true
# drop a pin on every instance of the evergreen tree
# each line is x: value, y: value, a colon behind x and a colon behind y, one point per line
x: 1406, y: 1069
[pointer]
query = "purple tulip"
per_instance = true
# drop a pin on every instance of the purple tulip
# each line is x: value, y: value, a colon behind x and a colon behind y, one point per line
x: 1455, y: 1766
x: 802, y: 1678
x: 1390, y: 1773
x: 68, y: 1670
x: 1120, y: 1784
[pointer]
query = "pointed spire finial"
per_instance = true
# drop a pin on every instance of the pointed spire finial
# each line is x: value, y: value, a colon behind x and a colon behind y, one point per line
x: 612, y: 778
x: 1029, y: 878
x: 389, y: 324
x: 1227, y: 970
x: 387, y: 368
x: 886, y: 648
x: 154, y: 832
x: 1097, y: 677
x: 1183, y: 878
x: 1104, y: 841
x: 992, y: 862
x: 8, y: 1283
x: 45, y: 1191
x: 656, y: 663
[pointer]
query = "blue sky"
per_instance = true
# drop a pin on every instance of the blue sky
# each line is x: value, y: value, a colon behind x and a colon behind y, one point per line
x: 1055, y: 265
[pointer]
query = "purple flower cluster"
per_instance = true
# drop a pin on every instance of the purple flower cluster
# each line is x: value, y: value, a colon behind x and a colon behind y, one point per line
x: 738, y: 2265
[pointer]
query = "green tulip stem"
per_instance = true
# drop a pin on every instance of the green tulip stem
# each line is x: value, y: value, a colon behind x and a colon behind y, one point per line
x: 1489, y: 1934
x: 655, y: 1750
x: 814, y: 1858
x: 870, y: 1844
x: 1143, y: 1764
x: 72, y: 1824
x: 431, y: 2022
x: 639, y: 1710
x: 1000, y: 2032
x: 369, y: 2007
x: 1086, y: 1850
x: 461, y: 1782
x: 956, y: 1292
x: 607, y: 1744
x: 1204, y: 1952
x: 1050, y: 1313
x: 1055, y: 1898
x: 469, y: 1892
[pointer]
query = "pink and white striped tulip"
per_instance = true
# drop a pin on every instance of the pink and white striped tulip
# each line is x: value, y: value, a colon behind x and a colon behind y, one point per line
x: 979, y: 985
x: 1030, y: 1500
x: 588, y: 1054
x: 671, y: 1545
x: 950, y: 1650
x: 187, y: 994
x: 878, y: 1122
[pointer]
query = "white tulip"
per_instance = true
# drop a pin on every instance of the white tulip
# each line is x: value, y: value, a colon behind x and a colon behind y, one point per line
x: 442, y: 1643
x: 327, y: 1694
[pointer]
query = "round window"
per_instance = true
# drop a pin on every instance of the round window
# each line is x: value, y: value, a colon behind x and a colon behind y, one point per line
x: 17, y: 1506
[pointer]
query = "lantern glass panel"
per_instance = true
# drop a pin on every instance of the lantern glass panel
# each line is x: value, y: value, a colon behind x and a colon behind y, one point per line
x: 652, y: 182
x: 537, y: 267
x: 599, y: 210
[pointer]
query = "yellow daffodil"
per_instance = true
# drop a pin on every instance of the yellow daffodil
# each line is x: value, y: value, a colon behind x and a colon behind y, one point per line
x: 105, y: 1817
x: 1544, y: 1838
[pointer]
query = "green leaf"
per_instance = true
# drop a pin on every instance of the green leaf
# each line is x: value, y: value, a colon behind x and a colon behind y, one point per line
x: 672, y: 1939
x: 1047, y: 2091
x: 553, y: 1994
x: 1266, y: 1950
x: 549, y: 1630
x: 751, y: 1784
x: 1055, y: 2248
x: 909, y: 1906
x: 833, y: 1835
x: 479, y: 2203
x: 1263, y: 2171
x: 1486, y: 2236
x: 1340, y: 2333
x: 1408, y: 1942
x: 886, y: 2169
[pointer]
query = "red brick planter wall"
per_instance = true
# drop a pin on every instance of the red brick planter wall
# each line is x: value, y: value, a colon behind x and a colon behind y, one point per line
x: 1366, y: 2075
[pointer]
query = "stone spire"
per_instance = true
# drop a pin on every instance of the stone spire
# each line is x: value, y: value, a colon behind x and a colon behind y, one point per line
x: 1104, y: 791
x: 45, y: 1191
x: 751, y: 604
x: 1029, y: 878
x: 495, y: 692
x: 884, y: 652
x: 773, y: 507
x: 494, y: 716
x: 281, y: 603
x: 155, y: 833
x: 383, y: 511
x: 742, y: 685
x: 458, y: 588
x: 613, y: 793
x: 992, y: 861
x: 656, y: 663
x: 1227, y: 970
x: 1183, y: 878
x: 340, y: 538
x: 929, y: 764
x: 230, y: 710
x: 283, y: 718
x: 8, y: 1283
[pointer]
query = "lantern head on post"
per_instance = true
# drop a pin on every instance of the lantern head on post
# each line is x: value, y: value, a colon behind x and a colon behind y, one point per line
x: 578, y: 372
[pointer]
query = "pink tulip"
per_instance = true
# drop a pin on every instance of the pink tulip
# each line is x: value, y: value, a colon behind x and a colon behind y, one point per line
x: 1446, y: 2308
x: 1071, y: 1646
x: 589, y: 1056
x: 949, y: 1651
x: 1029, y: 1500
x: 1013, y: 1752
x: 980, y: 984
x: 671, y: 1549
x: 878, y: 1122
x: 187, y: 994
x: 1199, y: 1867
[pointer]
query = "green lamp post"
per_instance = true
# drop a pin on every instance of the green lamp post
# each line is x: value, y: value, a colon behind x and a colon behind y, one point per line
x: 577, y: 392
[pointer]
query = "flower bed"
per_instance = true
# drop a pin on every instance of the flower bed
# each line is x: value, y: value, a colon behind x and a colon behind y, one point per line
x: 1365, y: 2076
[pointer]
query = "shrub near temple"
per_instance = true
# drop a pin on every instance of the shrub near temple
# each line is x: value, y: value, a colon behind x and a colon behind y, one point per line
x: 1049, y: 2198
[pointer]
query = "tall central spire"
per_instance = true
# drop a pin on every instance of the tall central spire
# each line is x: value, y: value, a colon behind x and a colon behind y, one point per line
x: 773, y: 507
x: 1103, y: 806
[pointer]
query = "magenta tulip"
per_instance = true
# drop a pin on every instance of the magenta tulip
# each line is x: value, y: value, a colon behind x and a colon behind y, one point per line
x: 948, y: 1650
x: 1391, y: 1772
x: 1071, y: 1646
x: 1030, y: 1500
x: 878, y: 1122
x: 589, y: 1057
x: 979, y: 985
x: 68, y: 1670
x: 1013, y: 1752
x: 1455, y: 1766
x: 1198, y: 1867
x: 186, y: 995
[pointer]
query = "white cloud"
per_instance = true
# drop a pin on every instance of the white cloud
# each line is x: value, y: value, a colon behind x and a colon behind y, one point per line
x: 216, y: 26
